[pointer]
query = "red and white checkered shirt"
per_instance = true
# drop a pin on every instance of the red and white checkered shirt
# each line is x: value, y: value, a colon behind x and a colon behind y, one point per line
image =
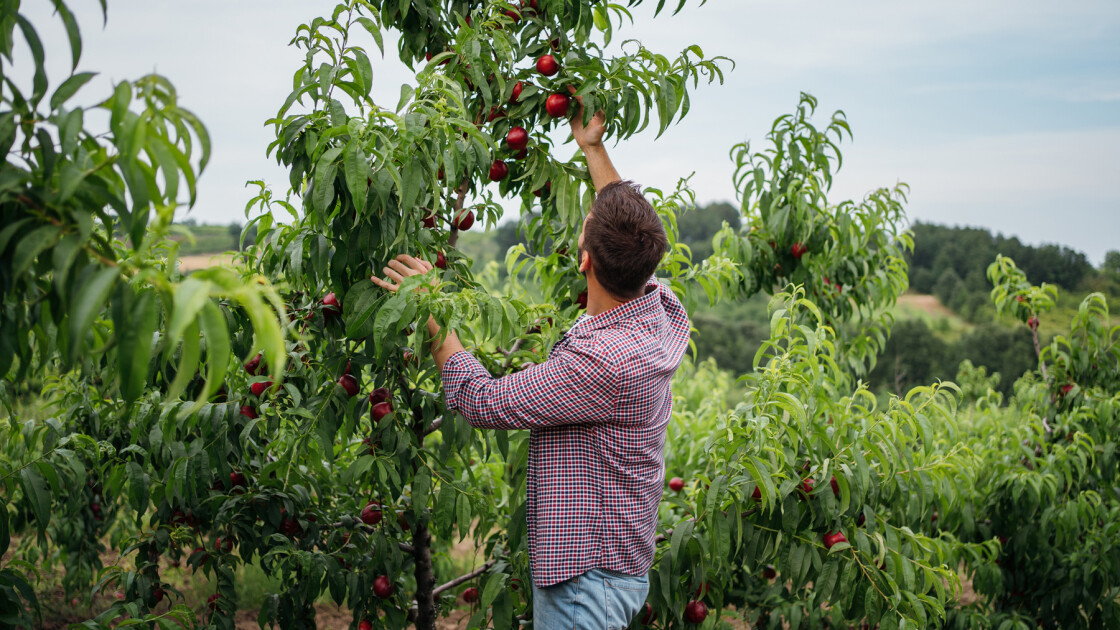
x: 597, y: 410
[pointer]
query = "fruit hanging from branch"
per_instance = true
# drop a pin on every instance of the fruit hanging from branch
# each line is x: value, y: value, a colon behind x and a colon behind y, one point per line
x: 557, y: 105
x: 517, y: 138
x: 547, y: 65
x: 498, y: 171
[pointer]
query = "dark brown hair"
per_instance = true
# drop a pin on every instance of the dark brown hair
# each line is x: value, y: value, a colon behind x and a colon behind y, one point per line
x: 625, y: 238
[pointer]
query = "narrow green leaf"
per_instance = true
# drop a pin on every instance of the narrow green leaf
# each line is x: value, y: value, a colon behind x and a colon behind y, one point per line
x: 69, y: 87
x: 218, y: 350
x: 89, y: 299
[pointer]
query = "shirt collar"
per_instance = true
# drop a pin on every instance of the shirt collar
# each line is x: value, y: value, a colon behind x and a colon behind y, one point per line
x: 634, y: 308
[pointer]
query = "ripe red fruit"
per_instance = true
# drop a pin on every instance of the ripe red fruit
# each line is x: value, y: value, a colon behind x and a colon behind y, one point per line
x: 1019, y: 298
x: 498, y: 171
x: 380, y: 410
x: 701, y: 590
x: 676, y: 484
x: 495, y: 113
x: 289, y: 527
x: 330, y: 304
x: 831, y: 538
x: 757, y: 494
x: 382, y: 587
x: 249, y: 412
x: 260, y: 388
x: 807, y: 486
x: 582, y: 299
x: 541, y: 191
x: 441, y: 263
x: 517, y: 138
x: 695, y: 612
x: 861, y: 520
x: 349, y: 383
x: 157, y: 594
x: 253, y: 366
x: 371, y: 513
x: 466, y: 218
x: 798, y: 250
x: 1067, y: 388
x: 835, y: 486
x: 516, y: 95
x: 365, y: 625
x: 1032, y: 322
x: 547, y: 65
x: 648, y: 615
x: 470, y: 595
x: 212, y: 601
x: 236, y: 479
x: 223, y: 545
x: 521, y: 155
x: 769, y: 572
x: 557, y: 105
x: 430, y: 221
x: 381, y: 394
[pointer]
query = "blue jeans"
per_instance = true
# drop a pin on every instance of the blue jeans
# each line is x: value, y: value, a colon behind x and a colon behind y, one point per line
x: 595, y: 600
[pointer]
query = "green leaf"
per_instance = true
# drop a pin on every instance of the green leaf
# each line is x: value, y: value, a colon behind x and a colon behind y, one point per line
x: 39, y: 82
x: 135, y: 338
x: 138, y: 481
x: 188, y: 361
x: 218, y: 350
x: 359, y: 303
x: 37, y: 494
x: 29, y: 247
x: 5, y: 536
x: 69, y: 87
x: 494, y: 585
x: 89, y: 299
x: 190, y: 297
x: 72, y: 32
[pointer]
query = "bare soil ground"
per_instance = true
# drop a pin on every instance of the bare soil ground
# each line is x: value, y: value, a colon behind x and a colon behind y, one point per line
x: 202, y: 261
x: 928, y: 304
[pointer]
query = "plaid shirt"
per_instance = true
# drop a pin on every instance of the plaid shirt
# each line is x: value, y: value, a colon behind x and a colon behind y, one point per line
x: 597, y: 410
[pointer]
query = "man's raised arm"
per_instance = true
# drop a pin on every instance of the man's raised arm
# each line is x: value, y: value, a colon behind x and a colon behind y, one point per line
x: 590, y: 141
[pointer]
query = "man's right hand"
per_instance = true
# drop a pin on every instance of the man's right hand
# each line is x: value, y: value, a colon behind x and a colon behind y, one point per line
x: 590, y: 135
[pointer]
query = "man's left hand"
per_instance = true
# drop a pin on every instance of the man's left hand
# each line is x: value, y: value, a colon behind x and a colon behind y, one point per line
x: 400, y: 268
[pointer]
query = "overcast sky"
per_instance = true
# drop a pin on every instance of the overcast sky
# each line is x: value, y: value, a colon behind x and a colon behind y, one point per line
x: 1002, y: 113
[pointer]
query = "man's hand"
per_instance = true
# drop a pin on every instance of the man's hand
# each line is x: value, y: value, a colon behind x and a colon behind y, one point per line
x: 590, y: 141
x: 590, y: 135
x: 400, y: 268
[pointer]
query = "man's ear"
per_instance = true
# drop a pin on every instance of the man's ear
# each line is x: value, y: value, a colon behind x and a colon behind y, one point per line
x: 585, y: 262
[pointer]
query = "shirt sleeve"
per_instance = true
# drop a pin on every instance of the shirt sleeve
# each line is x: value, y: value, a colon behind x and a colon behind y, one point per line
x: 573, y: 386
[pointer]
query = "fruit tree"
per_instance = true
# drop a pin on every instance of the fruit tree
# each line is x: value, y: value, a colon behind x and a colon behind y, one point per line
x: 283, y: 412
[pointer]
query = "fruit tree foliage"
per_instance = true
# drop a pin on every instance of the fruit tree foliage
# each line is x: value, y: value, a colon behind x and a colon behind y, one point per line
x: 285, y: 413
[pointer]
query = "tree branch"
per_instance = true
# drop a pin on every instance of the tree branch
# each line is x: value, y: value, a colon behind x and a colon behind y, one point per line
x: 464, y: 578
x: 461, y: 195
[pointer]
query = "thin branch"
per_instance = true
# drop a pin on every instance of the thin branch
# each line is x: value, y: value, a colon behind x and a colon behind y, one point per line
x: 464, y: 578
x: 460, y: 196
x: 509, y: 355
x: 434, y: 426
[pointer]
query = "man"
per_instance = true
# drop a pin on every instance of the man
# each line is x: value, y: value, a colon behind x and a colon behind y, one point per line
x: 597, y: 410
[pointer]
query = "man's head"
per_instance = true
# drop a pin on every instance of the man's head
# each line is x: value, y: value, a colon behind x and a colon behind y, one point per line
x: 624, y: 238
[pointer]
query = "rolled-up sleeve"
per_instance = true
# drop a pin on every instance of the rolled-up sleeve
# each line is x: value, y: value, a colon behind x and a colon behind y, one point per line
x: 573, y: 386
